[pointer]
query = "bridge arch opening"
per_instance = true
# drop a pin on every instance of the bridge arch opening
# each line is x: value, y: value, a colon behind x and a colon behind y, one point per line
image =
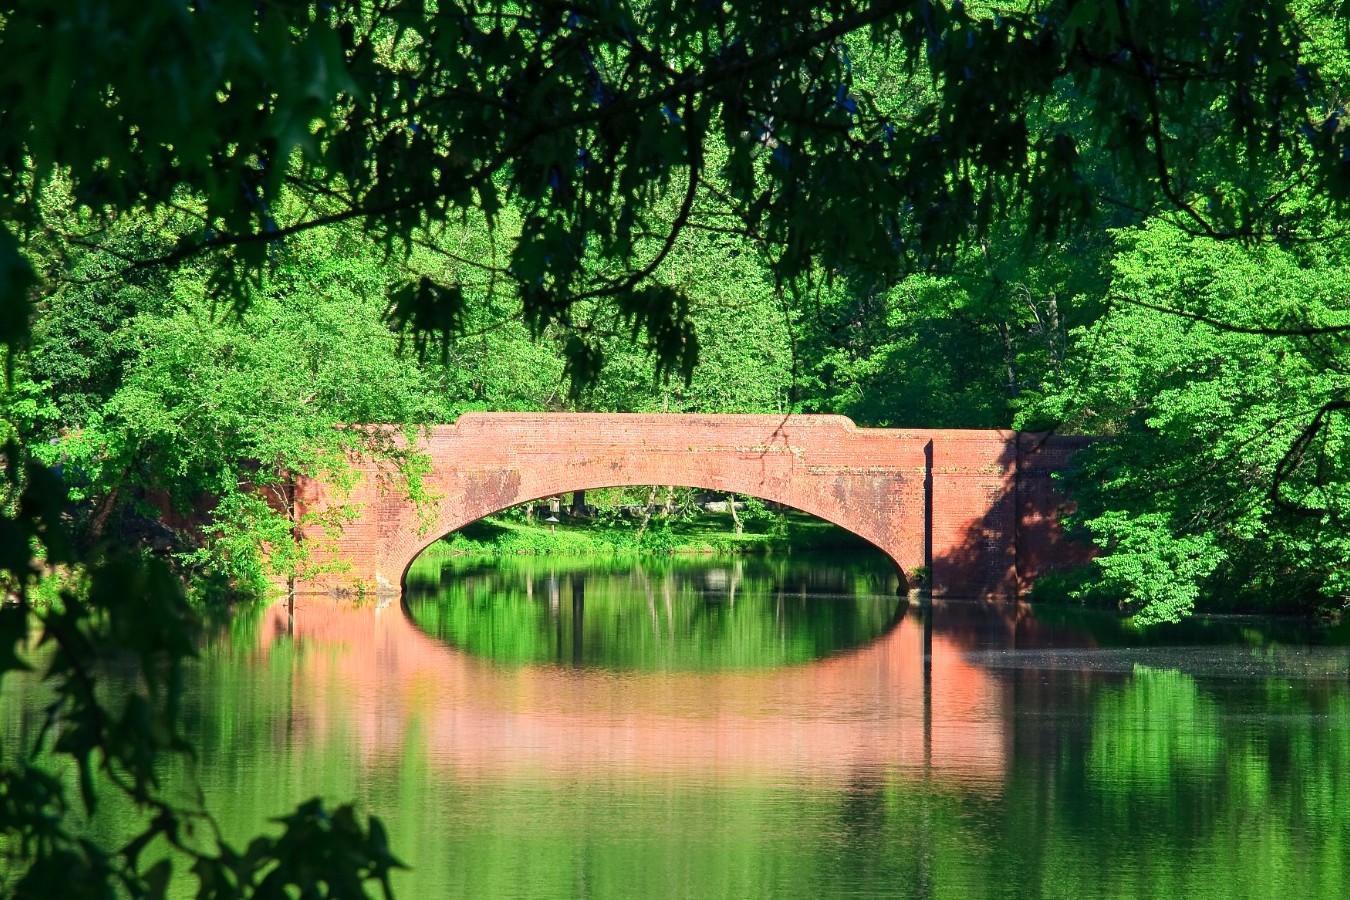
x: 462, y: 517
x: 573, y: 603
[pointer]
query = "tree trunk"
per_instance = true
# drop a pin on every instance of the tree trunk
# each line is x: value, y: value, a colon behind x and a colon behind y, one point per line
x: 647, y: 511
x: 578, y: 504
x: 1009, y: 359
x: 1052, y: 337
x: 104, y: 510
x: 731, y: 505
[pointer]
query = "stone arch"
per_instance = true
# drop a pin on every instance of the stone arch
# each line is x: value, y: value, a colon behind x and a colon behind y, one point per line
x: 458, y: 515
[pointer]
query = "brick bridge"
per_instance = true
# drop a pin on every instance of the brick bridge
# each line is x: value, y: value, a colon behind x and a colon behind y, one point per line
x: 977, y: 508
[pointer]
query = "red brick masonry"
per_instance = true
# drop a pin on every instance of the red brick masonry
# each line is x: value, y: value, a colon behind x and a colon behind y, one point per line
x: 978, y: 508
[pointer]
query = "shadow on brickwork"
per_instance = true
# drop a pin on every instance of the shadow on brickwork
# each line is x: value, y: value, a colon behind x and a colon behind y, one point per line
x: 1019, y: 538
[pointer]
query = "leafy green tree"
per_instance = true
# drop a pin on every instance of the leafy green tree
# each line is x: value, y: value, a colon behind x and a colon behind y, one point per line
x: 142, y: 388
x: 1196, y: 491
x: 219, y: 413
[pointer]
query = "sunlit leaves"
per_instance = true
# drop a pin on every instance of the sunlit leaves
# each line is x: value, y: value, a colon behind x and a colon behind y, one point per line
x: 1160, y: 573
x: 1195, y: 492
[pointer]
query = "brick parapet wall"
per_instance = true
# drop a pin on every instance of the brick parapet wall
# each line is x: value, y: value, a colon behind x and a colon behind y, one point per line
x: 946, y: 500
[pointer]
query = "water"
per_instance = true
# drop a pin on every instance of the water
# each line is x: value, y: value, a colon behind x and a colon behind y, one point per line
x: 751, y: 728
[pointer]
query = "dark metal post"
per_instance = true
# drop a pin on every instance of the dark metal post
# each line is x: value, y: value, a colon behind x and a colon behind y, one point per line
x: 578, y: 614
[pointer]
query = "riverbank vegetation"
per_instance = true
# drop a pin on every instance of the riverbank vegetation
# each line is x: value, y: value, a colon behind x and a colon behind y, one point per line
x: 218, y: 248
x: 755, y: 529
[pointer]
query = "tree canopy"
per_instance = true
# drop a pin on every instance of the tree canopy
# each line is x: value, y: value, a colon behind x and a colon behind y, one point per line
x: 613, y: 127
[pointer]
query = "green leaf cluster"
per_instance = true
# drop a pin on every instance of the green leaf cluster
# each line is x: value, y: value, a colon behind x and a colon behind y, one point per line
x: 1193, y: 492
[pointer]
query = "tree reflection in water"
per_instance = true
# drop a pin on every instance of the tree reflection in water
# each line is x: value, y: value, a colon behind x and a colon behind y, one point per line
x: 741, y: 614
x: 1051, y: 754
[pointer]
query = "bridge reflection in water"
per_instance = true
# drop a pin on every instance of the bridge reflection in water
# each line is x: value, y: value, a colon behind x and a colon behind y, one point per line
x: 887, y: 707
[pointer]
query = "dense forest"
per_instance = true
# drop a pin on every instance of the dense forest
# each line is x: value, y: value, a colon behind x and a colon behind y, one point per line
x: 1214, y: 363
x: 147, y: 385
x: 1087, y: 217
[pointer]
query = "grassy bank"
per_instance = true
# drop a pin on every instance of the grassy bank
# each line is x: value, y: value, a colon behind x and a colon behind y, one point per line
x: 790, y: 532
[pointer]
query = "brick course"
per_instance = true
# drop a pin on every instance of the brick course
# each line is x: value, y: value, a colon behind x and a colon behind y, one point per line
x: 978, y: 508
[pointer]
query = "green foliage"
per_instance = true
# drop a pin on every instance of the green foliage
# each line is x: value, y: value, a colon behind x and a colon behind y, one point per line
x: 745, y: 349
x: 614, y: 535
x: 129, y: 615
x: 746, y: 352
x: 1194, y: 493
x: 917, y: 354
x: 160, y: 394
x: 631, y: 126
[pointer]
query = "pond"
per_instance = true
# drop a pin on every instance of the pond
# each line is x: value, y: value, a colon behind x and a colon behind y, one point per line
x: 752, y: 727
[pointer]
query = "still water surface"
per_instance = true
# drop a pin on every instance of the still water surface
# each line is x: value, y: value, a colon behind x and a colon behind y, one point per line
x: 773, y: 728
